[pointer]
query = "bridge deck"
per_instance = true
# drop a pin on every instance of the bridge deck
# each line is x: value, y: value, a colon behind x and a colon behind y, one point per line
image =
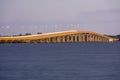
x: 65, y: 36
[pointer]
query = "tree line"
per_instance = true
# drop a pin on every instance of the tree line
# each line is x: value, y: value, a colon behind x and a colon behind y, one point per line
x: 114, y: 36
x: 19, y: 34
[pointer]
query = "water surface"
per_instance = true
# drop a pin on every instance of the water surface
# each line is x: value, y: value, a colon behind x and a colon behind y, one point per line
x: 60, y: 61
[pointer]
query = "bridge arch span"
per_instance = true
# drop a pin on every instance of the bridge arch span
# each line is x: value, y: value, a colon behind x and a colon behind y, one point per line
x: 65, y: 36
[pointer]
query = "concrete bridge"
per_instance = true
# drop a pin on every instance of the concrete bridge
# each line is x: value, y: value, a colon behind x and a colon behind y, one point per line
x: 65, y: 36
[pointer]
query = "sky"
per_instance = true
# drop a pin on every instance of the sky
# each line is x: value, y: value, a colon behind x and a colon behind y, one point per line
x: 32, y: 16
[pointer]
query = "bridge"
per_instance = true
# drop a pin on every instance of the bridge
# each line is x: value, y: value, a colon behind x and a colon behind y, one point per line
x: 56, y: 37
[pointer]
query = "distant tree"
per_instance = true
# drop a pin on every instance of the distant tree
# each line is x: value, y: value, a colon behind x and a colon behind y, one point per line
x: 114, y: 36
x: 28, y: 34
x: 39, y: 33
x: 118, y: 36
x: 20, y: 35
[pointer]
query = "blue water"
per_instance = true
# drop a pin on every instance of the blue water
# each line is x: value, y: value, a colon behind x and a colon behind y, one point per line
x: 60, y: 61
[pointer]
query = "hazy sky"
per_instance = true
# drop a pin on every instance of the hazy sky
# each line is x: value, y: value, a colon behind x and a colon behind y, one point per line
x: 22, y: 16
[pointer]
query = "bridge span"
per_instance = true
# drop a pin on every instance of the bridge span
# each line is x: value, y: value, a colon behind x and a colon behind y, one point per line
x: 56, y: 37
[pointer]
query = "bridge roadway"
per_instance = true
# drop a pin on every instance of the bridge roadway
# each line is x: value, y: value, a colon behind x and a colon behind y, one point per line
x: 65, y: 36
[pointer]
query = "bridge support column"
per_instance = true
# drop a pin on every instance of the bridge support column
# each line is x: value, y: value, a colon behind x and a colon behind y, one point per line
x: 48, y: 40
x: 83, y: 38
x: 63, y: 38
x: 58, y: 39
x: 76, y: 38
x: 95, y: 39
x: 88, y: 37
x: 52, y: 39
x: 80, y: 38
x: 67, y: 37
x: 71, y: 38
x: 91, y: 38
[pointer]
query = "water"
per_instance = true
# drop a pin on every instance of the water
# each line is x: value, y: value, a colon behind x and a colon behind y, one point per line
x: 60, y: 61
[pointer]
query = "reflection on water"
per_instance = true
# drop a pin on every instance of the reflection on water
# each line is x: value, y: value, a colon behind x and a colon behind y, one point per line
x: 60, y: 61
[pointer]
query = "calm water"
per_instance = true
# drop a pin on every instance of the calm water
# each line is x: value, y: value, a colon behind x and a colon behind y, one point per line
x: 60, y: 61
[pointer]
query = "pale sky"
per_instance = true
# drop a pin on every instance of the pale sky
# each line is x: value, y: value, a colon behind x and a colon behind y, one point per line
x: 23, y: 16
